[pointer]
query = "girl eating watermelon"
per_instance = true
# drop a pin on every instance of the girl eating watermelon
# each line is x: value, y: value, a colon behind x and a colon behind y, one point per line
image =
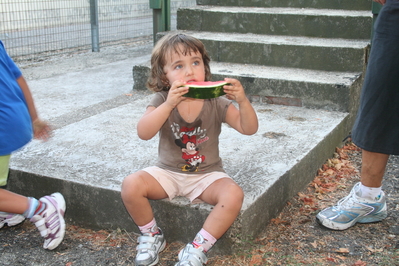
x: 188, y: 156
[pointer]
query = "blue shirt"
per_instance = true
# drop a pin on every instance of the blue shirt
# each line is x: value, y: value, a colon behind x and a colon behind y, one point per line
x: 15, y: 121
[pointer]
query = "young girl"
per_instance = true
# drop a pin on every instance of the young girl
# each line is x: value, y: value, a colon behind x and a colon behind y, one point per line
x: 188, y: 161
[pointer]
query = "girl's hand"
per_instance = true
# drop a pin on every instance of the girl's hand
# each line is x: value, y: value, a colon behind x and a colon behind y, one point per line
x: 176, y: 92
x: 235, y: 91
x: 41, y: 130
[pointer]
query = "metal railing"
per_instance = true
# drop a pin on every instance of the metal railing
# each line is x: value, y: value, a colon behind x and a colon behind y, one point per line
x: 39, y: 28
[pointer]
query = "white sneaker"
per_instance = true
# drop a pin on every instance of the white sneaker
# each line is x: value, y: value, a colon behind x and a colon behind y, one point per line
x: 50, y: 222
x: 191, y: 256
x: 150, y: 245
x: 353, y: 209
x: 10, y: 219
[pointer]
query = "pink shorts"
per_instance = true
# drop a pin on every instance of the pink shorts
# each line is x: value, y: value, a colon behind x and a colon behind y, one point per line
x: 186, y: 185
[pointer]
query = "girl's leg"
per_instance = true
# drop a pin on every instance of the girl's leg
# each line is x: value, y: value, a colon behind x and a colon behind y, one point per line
x: 227, y: 197
x: 137, y: 189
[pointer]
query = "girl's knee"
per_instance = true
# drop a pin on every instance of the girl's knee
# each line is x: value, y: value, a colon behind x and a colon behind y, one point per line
x: 236, y: 190
x: 234, y: 195
x: 130, y: 185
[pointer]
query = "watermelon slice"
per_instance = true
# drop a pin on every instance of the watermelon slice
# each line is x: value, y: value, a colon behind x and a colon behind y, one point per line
x: 205, y: 89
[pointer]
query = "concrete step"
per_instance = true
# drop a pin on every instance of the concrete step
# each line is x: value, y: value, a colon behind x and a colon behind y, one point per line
x: 277, y: 21
x: 285, y: 51
x: 333, y: 91
x: 322, y: 4
x: 87, y: 159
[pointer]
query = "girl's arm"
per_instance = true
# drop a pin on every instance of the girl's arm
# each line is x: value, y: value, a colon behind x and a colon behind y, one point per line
x: 244, y: 120
x: 152, y: 121
x: 154, y: 117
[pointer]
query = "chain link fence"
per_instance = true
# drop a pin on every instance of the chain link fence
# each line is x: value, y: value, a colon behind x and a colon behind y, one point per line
x: 38, y: 28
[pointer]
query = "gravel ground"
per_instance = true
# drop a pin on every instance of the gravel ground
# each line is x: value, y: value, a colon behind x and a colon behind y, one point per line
x: 292, y: 238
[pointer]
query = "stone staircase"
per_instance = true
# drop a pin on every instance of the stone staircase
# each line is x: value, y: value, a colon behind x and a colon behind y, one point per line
x: 306, y: 54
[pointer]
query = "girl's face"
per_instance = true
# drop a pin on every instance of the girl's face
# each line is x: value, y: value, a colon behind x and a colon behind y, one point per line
x: 189, y: 67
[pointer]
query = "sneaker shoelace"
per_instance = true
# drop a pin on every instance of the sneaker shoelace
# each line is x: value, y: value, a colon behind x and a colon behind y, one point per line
x: 346, y: 202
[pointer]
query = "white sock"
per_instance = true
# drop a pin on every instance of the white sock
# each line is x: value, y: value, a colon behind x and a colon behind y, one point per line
x: 32, y: 206
x: 371, y: 193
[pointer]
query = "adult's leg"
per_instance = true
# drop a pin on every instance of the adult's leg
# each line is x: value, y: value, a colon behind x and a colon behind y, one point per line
x: 373, y: 168
x: 362, y: 205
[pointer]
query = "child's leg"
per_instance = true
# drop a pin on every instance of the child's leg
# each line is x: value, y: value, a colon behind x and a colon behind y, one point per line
x: 227, y: 198
x: 11, y: 208
x: 47, y: 214
x: 137, y: 189
x: 12, y: 202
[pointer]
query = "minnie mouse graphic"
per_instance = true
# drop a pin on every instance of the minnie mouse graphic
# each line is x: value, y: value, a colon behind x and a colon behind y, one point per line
x: 190, y: 152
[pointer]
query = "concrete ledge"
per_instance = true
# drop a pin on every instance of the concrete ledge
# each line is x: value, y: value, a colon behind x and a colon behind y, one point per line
x: 284, y: 51
x: 313, y: 88
x: 330, y: 4
x: 277, y: 21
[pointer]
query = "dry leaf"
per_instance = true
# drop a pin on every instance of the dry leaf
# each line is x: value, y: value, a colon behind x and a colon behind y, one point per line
x: 338, y: 166
x: 375, y: 249
x: 360, y: 263
x: 329, y: 172
x: 256, y: 260
x: 300, y: 194
x: 342, y: 250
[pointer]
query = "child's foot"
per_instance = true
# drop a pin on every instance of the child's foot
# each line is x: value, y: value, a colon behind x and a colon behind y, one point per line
x: 150, y: 245
x: 50, y: 221
x: 191, y: 256
x: 10, y: 219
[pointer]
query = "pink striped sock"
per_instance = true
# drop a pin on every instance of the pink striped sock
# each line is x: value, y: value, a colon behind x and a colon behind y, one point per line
x: 204, y: 239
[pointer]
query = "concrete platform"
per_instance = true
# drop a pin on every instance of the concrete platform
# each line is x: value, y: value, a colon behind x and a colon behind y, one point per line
x: 94, y: 113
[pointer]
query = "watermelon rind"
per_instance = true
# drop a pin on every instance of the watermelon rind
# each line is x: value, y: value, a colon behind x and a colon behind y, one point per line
x: 213, y: 90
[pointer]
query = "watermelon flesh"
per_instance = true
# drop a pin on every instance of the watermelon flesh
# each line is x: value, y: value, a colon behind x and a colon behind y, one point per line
x: 205, y: 89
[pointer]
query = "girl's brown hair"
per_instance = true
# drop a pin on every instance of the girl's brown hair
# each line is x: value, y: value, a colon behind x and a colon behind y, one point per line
x: 157, y: 80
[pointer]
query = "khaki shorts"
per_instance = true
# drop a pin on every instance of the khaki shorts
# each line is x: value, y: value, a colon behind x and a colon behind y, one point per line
x: 4, y: 164
x: 186, y: 185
